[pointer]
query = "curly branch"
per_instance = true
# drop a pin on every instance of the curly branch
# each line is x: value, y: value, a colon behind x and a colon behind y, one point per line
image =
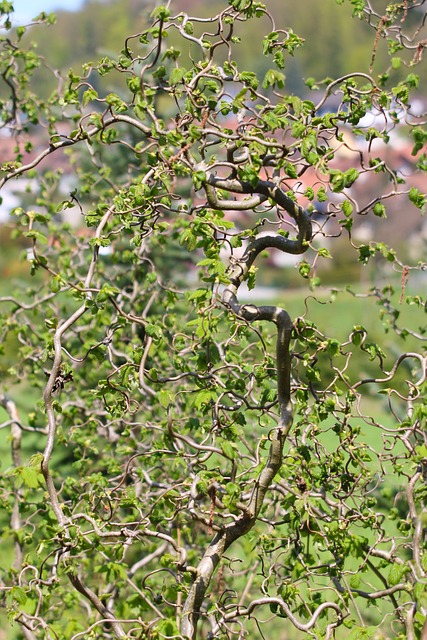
x: 251, y: 313
x: 247, y: 611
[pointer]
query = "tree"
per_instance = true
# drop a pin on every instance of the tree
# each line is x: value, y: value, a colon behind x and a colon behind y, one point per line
x: 192, y: 465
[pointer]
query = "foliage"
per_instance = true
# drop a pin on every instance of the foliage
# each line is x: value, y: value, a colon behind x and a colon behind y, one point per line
x: 198, y: 471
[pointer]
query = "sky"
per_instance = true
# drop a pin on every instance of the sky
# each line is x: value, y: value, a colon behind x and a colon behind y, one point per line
x: 27, y: 9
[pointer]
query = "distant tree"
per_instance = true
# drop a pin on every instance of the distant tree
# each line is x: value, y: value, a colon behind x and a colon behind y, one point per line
x: 192, y: 465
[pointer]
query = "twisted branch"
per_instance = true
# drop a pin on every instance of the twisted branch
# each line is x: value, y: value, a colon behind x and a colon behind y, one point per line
x: 250, y: 313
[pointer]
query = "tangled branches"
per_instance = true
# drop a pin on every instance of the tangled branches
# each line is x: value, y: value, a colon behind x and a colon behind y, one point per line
x: 183, y: 470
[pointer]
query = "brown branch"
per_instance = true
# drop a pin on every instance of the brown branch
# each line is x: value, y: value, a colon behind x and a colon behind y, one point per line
x: 251, y: 313
x: 247, y: 611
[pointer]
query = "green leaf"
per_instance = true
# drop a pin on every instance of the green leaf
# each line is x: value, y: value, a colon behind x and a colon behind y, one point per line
x: 418, y: 198
x: 29, y: 476
x: 167, y: 560
x: 292, y: 42
x: 251, y: 278
x: 249, y: 78
x: 396, y: 573
x: 36, y: 460
x: 273, y: 79
x: 154, y: 331
x: 167, y: 628
x: 422, y: 162
x: 165, y: 397
x: 16, y: 595
x: 36, y: 235
x: 333, y: 347
x: 203, y: 398
x: 347, y: 208
x: 290, y: 170
x: 365, y: 253
x: 324, y: 253
x: 342, y: 180
x: 199, y: 178
x: 6, y: 7
x: 56, y: 284
x: 420, y: 139
x: 228, y: 449
x: 116, y: 102
x: 160, y: 13
x: 88, y: 96
x: 322, y: 196
x: 420, y: 594
x: 379, y: 210
x: 357, y: 335
x: 401, y: 93
x: 176, y: 75
x: 304, y: 269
